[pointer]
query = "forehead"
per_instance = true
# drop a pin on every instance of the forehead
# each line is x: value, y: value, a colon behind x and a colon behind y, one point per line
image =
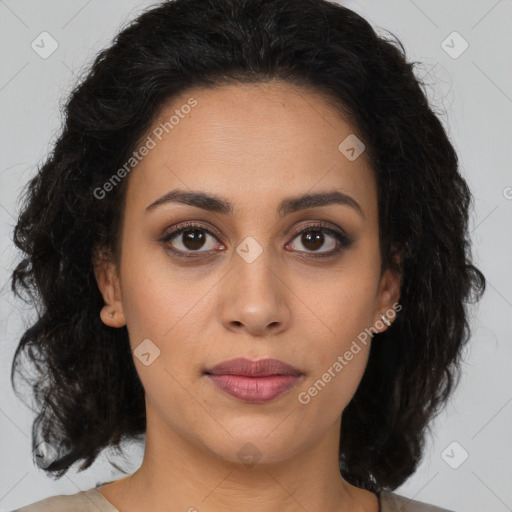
x: 250, y: 142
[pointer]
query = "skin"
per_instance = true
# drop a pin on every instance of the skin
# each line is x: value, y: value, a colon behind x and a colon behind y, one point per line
x: 253, y: 145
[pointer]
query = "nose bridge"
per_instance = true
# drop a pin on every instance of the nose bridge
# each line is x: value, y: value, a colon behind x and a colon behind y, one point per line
x: 255, y: 297
x: 255, y: 264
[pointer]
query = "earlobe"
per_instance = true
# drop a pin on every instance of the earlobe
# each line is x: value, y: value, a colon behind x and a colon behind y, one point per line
x: 107, y: 280
x: 112, y: 318
x: 385, y: 319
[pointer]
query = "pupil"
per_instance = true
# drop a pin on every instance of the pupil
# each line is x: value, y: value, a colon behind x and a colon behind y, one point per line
x: 316, y: 239
x: 194, y: 239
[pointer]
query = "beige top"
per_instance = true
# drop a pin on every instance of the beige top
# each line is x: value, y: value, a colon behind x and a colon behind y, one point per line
x: 93, y: 501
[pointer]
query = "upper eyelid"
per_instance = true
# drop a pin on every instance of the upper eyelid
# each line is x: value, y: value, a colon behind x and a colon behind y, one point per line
x: 190, y: 225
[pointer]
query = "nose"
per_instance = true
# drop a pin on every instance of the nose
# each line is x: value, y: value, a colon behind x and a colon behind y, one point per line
x: 256, y: 297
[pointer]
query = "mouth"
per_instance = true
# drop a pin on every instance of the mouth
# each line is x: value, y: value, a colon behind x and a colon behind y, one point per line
x: 254, y: 381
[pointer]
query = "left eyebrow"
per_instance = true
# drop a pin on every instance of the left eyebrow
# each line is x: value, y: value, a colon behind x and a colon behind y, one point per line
x: 289, y: 205
x: 305, y: 201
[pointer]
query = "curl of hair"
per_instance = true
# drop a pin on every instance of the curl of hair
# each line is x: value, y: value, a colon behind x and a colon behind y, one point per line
x: 88, y: 393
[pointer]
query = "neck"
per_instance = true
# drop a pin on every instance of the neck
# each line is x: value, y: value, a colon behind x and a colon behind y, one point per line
x: 178, y: 474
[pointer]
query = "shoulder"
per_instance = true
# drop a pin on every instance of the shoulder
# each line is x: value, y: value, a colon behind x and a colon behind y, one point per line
x: 83, y: 501
x: 391, y: 502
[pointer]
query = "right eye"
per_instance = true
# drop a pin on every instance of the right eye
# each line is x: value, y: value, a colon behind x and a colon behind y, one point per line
x: 192, y: 238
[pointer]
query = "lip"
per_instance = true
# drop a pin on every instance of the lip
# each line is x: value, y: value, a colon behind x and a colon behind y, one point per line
x: 254, y: 381
x: 247, y: 368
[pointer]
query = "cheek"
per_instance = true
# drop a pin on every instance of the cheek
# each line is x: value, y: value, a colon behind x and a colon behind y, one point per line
x: 171, y: 308
x: 338, y: 372
x: 155, y: 295
x: 343, y: 315
x: 342, y: 305
x: 143, y: 300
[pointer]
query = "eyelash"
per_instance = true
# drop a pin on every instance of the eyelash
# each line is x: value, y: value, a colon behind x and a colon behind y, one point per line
x: 344, y: 242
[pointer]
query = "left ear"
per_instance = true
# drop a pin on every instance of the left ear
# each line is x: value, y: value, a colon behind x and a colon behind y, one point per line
x: 388, y: 298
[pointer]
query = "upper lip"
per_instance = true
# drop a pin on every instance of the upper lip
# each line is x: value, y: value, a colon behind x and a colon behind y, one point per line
x: 260, y: 368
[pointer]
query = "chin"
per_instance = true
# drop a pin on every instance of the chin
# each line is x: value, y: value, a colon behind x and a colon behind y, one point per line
x: 264, y: 446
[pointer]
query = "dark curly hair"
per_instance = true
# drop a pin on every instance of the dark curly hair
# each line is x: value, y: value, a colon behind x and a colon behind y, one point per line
x: 88, y: 394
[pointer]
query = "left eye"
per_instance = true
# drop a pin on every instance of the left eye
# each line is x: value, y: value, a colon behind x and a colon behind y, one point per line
x: 314, y: 238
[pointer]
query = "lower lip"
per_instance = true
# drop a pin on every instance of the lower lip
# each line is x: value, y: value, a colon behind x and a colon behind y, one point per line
x: 254, y: 390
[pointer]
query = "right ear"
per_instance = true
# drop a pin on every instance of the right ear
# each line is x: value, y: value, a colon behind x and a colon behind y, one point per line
x: 107, y: 278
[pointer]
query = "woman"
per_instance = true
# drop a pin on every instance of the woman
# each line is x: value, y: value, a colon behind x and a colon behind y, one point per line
x: 249, y: 244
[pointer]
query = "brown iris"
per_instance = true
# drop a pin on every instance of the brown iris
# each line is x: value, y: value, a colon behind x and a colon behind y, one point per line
x: 316, y: 238
x: 193, y: 239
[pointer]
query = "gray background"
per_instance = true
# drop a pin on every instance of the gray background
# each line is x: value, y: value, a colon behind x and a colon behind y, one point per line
x: 473, y: 95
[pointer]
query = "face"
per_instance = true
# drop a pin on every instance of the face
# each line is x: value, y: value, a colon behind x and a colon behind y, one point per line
x: 255, y: 272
